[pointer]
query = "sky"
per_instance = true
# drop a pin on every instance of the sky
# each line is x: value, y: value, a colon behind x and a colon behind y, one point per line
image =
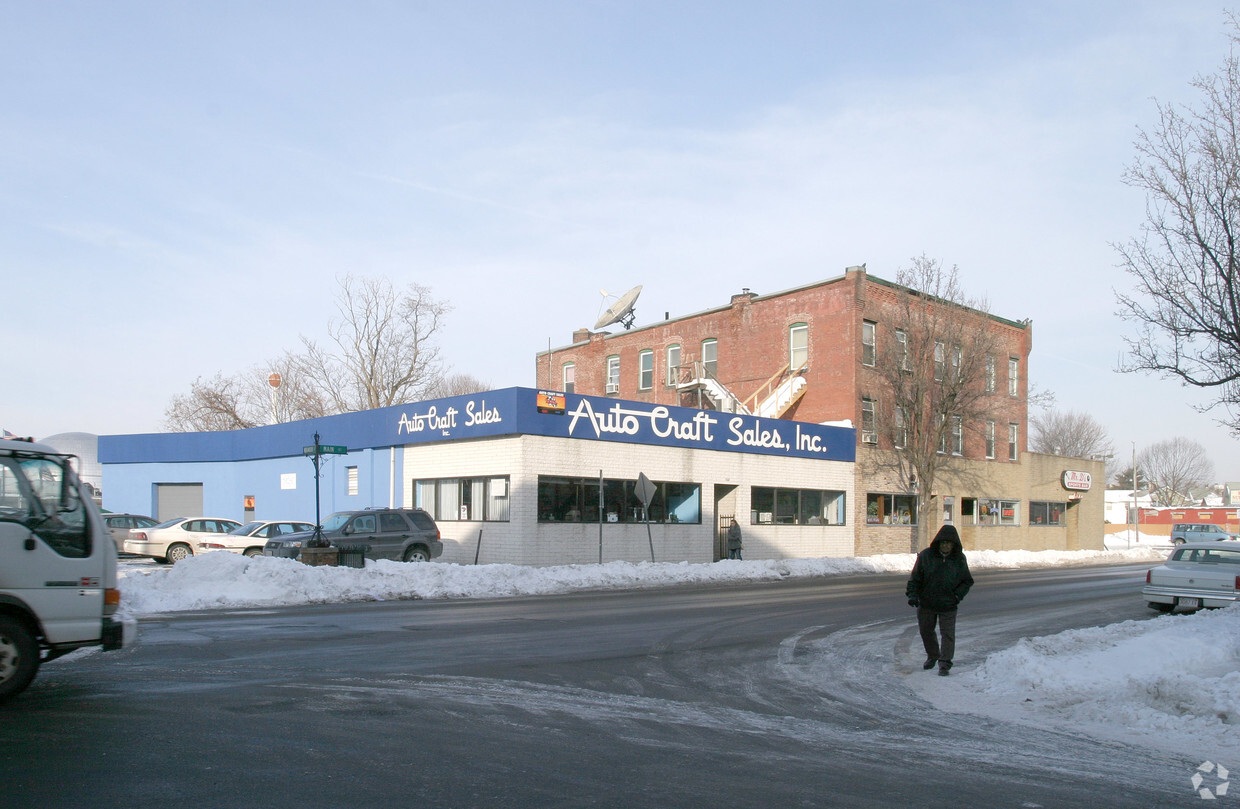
x: 1125, y: 682
x: 182, y: 185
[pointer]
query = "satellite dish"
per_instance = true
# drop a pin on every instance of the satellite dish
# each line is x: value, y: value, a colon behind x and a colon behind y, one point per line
x: 621, y: 311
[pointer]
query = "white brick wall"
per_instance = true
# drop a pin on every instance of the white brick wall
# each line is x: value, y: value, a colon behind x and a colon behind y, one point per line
x: 525, y: 541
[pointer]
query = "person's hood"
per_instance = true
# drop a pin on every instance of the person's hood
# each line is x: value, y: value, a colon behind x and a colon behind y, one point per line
x: 949, y: 533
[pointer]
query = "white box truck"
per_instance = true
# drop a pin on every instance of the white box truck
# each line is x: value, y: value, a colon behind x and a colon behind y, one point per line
x: 58, y: 585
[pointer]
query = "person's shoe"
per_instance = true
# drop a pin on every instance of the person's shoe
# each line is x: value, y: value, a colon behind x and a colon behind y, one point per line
x: 944, y: 671
x: 929, y: 664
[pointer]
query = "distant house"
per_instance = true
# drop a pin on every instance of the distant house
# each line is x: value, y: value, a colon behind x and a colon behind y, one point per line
x: 1119, y: 504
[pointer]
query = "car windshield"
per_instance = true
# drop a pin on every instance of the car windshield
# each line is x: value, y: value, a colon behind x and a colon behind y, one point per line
x: 247, y: 529
x: 335, y: 522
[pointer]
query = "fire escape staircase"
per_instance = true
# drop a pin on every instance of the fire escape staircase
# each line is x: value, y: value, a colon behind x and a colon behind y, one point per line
x: 772, y: 400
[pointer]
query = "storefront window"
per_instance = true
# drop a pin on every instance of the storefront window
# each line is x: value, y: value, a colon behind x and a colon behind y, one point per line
x: 1047, y: 513
x: 473, y: 499
x: 564, y: 499
x: 998, y: 512
x: 772, y: 506
x: 890, y: 509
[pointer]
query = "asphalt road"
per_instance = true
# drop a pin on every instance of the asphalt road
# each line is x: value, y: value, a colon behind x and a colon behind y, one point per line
x: 787, y: 694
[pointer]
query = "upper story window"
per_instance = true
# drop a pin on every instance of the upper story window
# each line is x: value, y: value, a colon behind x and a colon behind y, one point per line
x: 868, y: 329
x: 351, y: 480
x: 990, y: 439
x: 1013, y: 439
x: 645, y: 370
x: 613, y: 374
x: 673, y: 365
x: 710, y: 357
x: 990, y: 374
x: 798, y: 345
x: 957, y: 435
x: 940, y: 359
x: 902, y: 348
x: 901, y: 428
x: 869, y: 430
x: 1013, y: 376
x: 568, y: 377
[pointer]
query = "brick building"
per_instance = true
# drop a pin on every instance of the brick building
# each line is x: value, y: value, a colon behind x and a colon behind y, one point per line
x: 813, y: 354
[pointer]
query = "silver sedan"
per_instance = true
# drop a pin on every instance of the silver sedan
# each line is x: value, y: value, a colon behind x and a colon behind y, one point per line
x: 1195, y: 575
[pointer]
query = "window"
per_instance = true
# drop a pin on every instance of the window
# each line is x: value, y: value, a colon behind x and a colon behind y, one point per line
x: 869, y: 433
x: 569, y: 376
x: 901, y: 428
x: 351, y: 478
x: 990, y: 439
x: 957, y: 357
x: 1013, y: 437
x: 902, y: 348
x: 476, y: 499
x: 998, y: 512
x: 38, y: 494
x: 710, y: 357
x: 867, y: 342
x: 890, y: 509
x: 1047, y: 513
x: 798, y: 345
x: 957, y: 436
x: 673, y: 365
x: 645, y: 370
x: 940, y: 359
x: 1013, y: 374
x: 576, y: 500
x: 990, y: 374
x: 613, y: 374
x: 772, y: 506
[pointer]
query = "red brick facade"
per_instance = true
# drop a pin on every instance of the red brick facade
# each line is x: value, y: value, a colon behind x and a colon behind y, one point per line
x: 752, y: 337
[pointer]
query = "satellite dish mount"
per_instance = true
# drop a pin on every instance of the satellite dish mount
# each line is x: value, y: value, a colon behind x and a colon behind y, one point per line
x: 621, y: 311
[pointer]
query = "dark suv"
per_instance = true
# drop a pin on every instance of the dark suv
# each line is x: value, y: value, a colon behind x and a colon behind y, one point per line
x: 402, y: 534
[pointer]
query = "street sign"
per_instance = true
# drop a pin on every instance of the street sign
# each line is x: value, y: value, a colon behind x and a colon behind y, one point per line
x: 324, y: 449
x: 644, y: 489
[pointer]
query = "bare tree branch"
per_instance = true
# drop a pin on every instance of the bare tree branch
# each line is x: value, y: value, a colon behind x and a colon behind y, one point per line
x: 1173, y: 468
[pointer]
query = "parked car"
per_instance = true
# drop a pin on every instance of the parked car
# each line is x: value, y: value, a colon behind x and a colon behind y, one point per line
x: 1195, y: 575
x: 174, y: 540
x: 120, y: 524
x: 250, y: 538
x: 1183, y: 532
x: 403, y: 534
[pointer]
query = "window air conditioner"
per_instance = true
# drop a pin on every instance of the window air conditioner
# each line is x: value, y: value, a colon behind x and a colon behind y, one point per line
x: 613, y: 387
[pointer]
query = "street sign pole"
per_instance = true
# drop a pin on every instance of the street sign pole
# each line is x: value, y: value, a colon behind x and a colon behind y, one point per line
x: 315, y: 453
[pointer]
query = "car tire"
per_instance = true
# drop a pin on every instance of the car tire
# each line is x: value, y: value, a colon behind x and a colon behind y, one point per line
x: 417, y: 553
x: 178, y: 552
x: 1160, y: 607
x: 19, y: 656
x: 252, y: 552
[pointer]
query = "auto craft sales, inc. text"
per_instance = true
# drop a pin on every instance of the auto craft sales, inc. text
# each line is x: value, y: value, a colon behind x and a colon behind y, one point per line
x: 741, y: 431
x: 446, y: 420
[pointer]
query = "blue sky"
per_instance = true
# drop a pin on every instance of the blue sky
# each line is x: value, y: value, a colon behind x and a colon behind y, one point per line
x: 182, y: 183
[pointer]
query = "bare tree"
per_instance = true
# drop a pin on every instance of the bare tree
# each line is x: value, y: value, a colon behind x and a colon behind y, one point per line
x: 386, y: 352
x: 1174, y: 467
x: 935, y: 366
x: 1077, y: 435
x: 214, y: 404
x: 458, y: 385
x: 246, y: 399
x: 1186, y: 303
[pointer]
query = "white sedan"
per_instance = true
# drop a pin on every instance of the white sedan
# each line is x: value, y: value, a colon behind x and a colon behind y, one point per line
x: 250, y: 538
x: 174, y: 540
x: 1195, y: 575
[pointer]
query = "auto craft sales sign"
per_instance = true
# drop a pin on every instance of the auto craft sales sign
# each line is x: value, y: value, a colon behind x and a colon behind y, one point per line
x: 1076, y: 481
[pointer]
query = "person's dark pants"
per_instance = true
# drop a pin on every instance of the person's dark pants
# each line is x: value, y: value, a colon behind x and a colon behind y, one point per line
x: 735, y: 553
x: 946, y: 621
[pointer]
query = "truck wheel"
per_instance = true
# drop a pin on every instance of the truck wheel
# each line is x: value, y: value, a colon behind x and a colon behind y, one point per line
x: 177, y: 552
x: 19, y: 657
x: 417, y: 553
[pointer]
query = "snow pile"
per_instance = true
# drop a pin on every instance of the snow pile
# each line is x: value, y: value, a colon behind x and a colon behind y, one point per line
x: 227, y: 580
x: 1125, y: 540
x: 1172, y: 681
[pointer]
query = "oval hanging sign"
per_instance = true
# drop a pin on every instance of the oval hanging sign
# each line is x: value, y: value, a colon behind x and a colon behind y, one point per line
x: 1076, y: 481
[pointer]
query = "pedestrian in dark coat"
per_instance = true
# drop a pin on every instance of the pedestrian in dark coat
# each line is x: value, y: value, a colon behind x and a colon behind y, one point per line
x: 734, y: 540
x: 939, y: 582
